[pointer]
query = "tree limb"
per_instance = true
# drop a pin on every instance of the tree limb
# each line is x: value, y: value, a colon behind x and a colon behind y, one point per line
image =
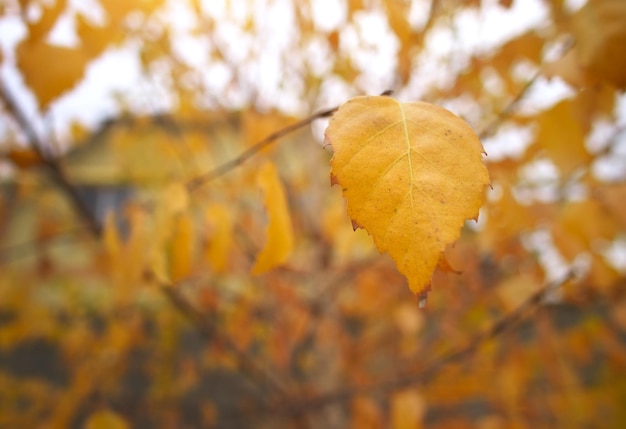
x: 49, y: 162
x: 224, y: 168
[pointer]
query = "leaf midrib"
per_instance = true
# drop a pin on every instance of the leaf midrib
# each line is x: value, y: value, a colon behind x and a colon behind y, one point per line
x: 408, y: 150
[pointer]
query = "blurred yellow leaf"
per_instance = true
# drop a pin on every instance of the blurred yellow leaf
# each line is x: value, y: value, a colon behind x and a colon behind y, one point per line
x: 96, y: 39
x: 279, y: 234
x: 24, y: 157
x: 562, y: 135
x: 411, y: 174
x: 50, y: 70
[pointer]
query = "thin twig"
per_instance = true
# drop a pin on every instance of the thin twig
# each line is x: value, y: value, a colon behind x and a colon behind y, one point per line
x: 508, y: 110
x: 49, y: 162
x: 222, y: 169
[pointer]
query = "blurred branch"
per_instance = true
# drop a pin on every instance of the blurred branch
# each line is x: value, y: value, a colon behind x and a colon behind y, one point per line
x: 456, y: 355
x: 509, y: 109
x: 49, y: 162
x: 222, y: 169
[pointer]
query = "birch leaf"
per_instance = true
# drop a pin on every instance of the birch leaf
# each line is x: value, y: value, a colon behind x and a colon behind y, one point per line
x: 411, y: 173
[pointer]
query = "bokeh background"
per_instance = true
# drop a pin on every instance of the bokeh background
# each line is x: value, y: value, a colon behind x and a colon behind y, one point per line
x: 129, y: 299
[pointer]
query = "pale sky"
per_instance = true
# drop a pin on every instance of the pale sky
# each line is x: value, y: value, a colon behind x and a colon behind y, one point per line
x: 119, y: 69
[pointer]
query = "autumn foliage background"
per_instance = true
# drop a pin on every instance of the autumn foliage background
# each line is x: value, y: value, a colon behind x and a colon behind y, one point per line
x: 147, y: 280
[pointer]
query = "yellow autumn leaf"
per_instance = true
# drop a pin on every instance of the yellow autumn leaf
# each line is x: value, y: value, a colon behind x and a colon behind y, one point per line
x: 411, y: 173
x: 279, y: 233
x: 50, y: 70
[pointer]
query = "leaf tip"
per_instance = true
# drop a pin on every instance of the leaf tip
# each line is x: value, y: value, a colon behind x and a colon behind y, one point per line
x: 422, y: 297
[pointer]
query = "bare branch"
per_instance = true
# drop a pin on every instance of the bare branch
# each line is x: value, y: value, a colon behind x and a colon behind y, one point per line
x: 508, y: 110
x: 51, y: 164
x: 222, y: 169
